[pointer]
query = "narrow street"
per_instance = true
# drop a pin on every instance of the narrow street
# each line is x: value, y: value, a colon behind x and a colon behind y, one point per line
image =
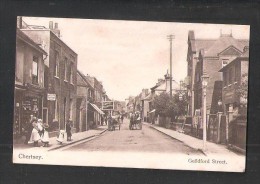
x: 145, y: 140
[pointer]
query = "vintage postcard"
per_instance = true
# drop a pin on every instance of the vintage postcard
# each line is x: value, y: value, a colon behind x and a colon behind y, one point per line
x: 136, y: 94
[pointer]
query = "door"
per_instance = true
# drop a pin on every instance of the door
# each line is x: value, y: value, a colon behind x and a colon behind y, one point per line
x: 45, y: 115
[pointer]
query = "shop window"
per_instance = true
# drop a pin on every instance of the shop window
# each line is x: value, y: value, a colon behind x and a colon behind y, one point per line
x: 35, y: 70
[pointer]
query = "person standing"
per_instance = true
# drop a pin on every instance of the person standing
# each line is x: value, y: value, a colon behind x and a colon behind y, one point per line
x: 45, y: 135
x: 35, y: 137
x: 28, y: 130
x: 68, y: 131
x: 122, y: 118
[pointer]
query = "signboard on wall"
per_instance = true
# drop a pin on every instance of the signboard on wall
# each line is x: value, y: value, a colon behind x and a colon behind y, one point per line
x: 108, y: 105
x: 51, y: 97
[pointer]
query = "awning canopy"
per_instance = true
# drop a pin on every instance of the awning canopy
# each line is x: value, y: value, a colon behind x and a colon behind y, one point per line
x: 97, y: 109
x: 151, y: 111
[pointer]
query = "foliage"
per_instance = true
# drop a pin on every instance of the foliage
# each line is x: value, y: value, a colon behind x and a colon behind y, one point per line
x: 170, y: 107
x: 243, y: 87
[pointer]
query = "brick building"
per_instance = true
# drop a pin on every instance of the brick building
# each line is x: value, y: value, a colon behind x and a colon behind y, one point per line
x: 208, y: 55
x: 29, y: 81
x: 60, y: 75
x: 232, y: 78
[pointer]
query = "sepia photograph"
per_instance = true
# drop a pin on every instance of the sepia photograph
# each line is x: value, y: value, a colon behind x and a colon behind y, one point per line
x: 131, y: 94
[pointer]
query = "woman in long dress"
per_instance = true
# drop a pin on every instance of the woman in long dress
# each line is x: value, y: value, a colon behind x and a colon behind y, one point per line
x: 35, y: 137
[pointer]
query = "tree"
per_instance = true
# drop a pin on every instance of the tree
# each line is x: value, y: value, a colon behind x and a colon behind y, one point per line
x: 170, y: 107
x: 243, y: 87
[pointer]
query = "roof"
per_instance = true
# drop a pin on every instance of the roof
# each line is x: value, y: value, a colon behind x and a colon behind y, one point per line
x: 148, y: 97
x: 29, y: 41
x: 203, y: 44
x: 85, y: 78
x: 212, y: 47
x: 222, y: 43
x: 244, y: 56
x: 162, y: 86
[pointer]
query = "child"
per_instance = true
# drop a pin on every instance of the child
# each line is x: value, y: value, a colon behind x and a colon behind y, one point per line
x: 60, y: 138
x: 45, y: 135
x: 68, y: 131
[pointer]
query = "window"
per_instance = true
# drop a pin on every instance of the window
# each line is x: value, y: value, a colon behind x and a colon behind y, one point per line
x: 224, y: 62
x: 35, y: 70
x: 71, y: 73
x: 56, y: 108
x: 57, y: 65
x: 71, y: 107
x: 65, y: 69
x: 231, y: 75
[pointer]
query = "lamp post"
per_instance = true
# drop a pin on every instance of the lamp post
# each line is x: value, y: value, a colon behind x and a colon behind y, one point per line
x: 219, y: 118
x: 204, y: 79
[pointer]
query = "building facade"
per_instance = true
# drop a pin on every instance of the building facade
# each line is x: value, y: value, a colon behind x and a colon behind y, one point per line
x: 233, y: 74
x: 60, y: 76
x: 85, y: 97
x: 29, y: 81
x: 209, y: 55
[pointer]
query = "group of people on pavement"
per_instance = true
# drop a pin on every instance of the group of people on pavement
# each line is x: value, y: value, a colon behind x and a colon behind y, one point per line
x: 36, y: 131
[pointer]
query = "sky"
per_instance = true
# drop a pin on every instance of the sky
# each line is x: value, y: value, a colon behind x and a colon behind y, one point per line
x: 128, y: 56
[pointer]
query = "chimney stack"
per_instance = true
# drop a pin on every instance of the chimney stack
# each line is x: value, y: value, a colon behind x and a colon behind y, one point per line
x: 54, y: 29
x: 51, y: 25
x: 19, y: 22
x: 56, y: 25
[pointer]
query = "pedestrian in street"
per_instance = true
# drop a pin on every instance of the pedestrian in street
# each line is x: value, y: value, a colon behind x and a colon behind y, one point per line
x: 27, y: 130
x: 122, y: 118
x: 35, y: 137
x: 45, y: 135
x: 106, y: 119
x: 40, y: 127
x: 60, y: 137
x: 110, y: 123
x: 68, y: 130
x: 102, y: 120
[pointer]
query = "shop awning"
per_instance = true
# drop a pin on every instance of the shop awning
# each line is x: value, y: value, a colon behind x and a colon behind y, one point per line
x: 97, y: 109
x: 151, y: 111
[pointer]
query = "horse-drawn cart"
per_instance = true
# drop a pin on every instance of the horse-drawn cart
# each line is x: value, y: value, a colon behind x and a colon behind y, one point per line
x: 115, y: 123
x: 135, y: 122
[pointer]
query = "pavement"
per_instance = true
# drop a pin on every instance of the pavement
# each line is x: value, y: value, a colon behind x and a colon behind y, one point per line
x: 212, y: 149
x: 53, y: 144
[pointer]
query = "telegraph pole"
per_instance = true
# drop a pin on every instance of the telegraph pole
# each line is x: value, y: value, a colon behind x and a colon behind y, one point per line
x: 170, y: 37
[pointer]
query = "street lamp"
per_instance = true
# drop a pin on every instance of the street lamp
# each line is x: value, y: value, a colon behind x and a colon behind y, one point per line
x: 204, y: 79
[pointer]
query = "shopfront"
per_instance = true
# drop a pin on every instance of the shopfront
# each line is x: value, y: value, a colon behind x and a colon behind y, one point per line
x: 27, y: 102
